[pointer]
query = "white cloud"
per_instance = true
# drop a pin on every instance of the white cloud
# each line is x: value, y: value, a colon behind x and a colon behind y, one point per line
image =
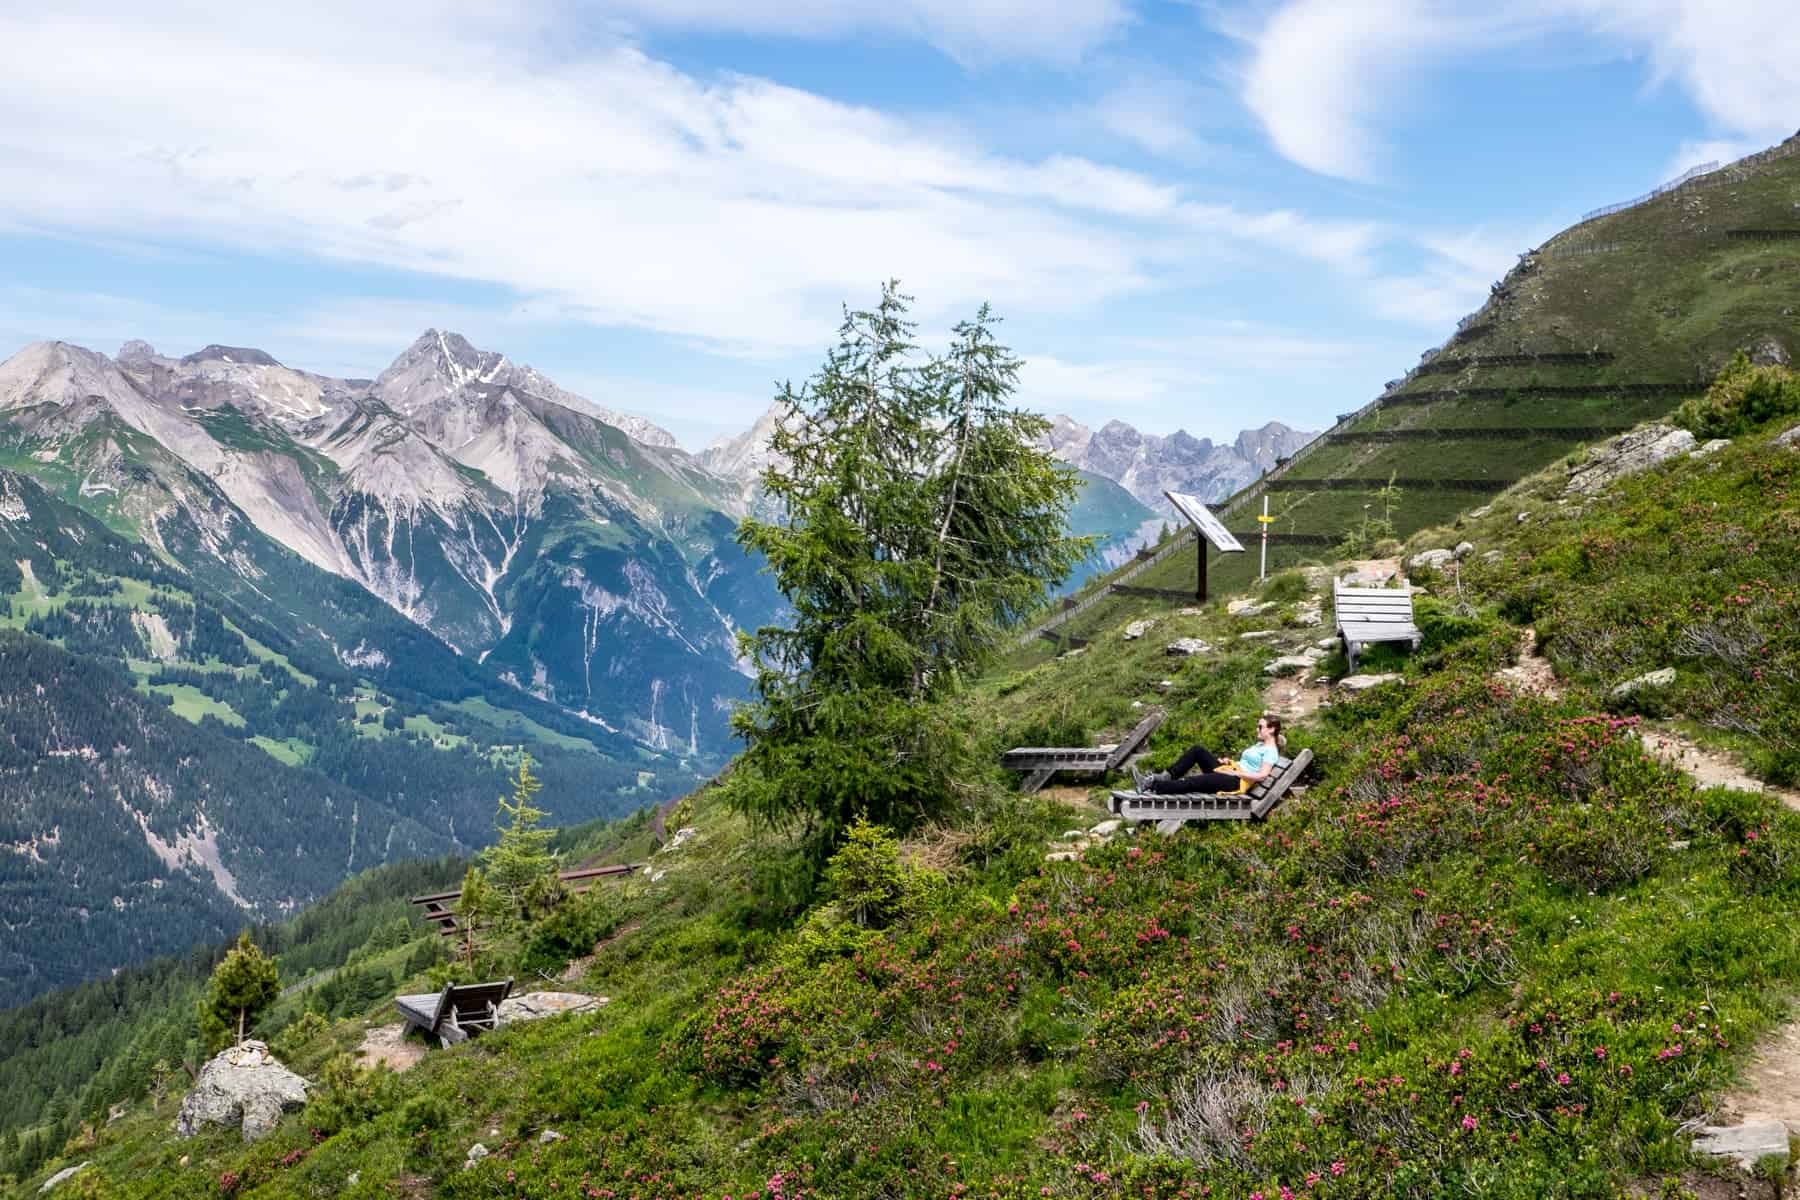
x: 1155, y: 114
x: 599, y: 184
x: 1321, y: 74
x: 1738, y: 59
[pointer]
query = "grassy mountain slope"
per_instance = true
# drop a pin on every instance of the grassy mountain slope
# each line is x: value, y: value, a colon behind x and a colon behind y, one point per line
x: 1492, y: 948
x: 301, y: 770
x: 1116, y: 519
x: 1617, y: 320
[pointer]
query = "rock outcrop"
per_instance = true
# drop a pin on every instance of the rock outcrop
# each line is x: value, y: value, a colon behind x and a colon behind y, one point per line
x: 243, y: 1086
x: 538, y: 1005
x: 1650, y: 679
x: 64, y: 1174
x: 1636, y: 451
x: 1749, y: 1144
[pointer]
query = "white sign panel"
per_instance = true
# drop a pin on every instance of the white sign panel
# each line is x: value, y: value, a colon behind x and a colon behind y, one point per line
x: 1210, y: 527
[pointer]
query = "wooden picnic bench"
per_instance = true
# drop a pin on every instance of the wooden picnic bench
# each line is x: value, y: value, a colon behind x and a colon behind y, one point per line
x: 1170, y: 812
x: 1367, y: 615
x: 457, y: 1013
x: 1039, y: 763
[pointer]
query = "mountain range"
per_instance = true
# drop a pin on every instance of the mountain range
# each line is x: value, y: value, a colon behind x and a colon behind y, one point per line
x: 577, y: 552
x: 358, y: 600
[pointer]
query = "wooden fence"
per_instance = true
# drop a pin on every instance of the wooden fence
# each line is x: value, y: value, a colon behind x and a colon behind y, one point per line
x: 1482, y: 433
x: 1449, y: 366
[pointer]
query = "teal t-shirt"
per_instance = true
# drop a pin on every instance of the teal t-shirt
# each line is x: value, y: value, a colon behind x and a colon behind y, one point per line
x: 1253, y: 760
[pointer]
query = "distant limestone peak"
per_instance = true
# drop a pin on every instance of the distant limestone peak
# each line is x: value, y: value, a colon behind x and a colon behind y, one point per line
x: 1147, y: 465
x: 218, y: 353
x: 442, y: 367
x: 135, y: 351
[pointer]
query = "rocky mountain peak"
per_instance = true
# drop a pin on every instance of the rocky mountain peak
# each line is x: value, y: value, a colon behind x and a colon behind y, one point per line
x: 433, y: 368
x: 1146, y: 465
x: 218, y: 353
x: 135, y: 351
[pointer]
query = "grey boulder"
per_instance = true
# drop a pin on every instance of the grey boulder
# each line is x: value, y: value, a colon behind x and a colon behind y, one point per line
x: 65, y: 1173
x: 1636, y: 451
x: 1789, y: 438
x: 1362, y: 683
x: 1749, y: 1144
x: 538, y: 1005
x: 1431, y: 560
x: 1649, y: 679
x: 243, y: 1086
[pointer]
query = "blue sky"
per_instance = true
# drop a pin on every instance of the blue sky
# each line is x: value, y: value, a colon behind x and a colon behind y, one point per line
x: 1198, y: 216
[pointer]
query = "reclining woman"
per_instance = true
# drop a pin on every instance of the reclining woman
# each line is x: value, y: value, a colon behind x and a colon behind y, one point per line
x: 1216, y: 776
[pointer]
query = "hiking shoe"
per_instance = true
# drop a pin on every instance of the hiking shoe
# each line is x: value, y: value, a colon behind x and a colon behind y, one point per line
x: 1139, y: 780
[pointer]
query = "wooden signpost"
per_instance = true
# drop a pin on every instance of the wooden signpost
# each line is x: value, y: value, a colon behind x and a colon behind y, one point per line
x: 1263, y: 570
x: 1210, y: 529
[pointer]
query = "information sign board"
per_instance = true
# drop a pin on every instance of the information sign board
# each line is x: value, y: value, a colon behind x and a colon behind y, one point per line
x: 1210, y: 527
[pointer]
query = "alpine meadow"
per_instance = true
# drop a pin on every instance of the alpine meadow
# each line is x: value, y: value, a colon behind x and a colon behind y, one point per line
x: 1109, y: 603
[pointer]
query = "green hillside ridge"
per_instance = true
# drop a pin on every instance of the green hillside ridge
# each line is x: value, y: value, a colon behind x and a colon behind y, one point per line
x: 1492, y: 947
x: 1662, y: 291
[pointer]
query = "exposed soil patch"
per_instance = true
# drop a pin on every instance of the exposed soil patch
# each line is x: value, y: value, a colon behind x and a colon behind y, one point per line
x: 1708, y: 768
x: 1771, y: 1086
x: 1708, y: 1187
x: 1296, y: 698
x: 1072, y: 796
x: 388, y: 1044
x: 1532, y: 674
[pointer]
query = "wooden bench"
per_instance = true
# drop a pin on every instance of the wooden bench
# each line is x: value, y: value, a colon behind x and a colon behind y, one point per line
x: 458, y: 1012
x: 1169, y: 812
x: 1039, y: 763
x: 1368, y: 615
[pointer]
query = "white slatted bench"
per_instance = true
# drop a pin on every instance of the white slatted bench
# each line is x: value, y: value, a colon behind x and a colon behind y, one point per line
x: 1368, y: 615
x: 1039, y: 763
x: 1169, y: 812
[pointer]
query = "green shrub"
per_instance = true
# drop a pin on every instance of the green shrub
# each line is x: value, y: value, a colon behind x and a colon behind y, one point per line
x: 864, y: 876
x: 1286, y: 586
x: 570, y: 931
x: 1741, y: 398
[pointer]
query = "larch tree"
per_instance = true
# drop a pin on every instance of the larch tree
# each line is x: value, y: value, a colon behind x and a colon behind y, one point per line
x: 243, y: 984
x: 517, y: 866
x: 915, y: 518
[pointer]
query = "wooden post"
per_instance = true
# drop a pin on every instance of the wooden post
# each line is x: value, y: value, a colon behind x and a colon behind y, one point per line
x: 1200, y: 582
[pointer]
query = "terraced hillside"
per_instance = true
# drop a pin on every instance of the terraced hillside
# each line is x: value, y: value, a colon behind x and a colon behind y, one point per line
x: 1610, y: 323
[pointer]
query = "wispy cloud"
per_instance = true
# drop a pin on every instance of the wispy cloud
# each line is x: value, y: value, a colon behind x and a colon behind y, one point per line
x: 601, y: 184
x: 969, y: 30
x: 1321, y: 76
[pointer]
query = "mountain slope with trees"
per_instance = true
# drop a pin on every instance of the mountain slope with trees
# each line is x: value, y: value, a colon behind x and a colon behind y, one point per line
x: 1492, y: 946
x: 191, y: 758
x: 1447, y: 965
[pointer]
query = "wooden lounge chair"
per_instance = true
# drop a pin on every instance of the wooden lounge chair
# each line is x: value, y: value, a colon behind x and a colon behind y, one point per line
x: 1039, y: 763
x: 1366, y: 615
x: 1169, y: 812
x: 457, y: 1013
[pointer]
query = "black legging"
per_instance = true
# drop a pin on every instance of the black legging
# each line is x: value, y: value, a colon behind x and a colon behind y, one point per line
x: 1210, y: 780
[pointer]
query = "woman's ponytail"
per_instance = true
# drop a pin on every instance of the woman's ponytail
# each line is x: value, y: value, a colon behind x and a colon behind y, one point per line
x: 1274, y: 724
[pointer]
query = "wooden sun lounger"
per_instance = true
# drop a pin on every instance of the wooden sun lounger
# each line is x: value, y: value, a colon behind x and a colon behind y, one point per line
x: 1039, y: 763
x: 458, y: 1012
x: 1169, y: 812
x: 1367, y: 615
